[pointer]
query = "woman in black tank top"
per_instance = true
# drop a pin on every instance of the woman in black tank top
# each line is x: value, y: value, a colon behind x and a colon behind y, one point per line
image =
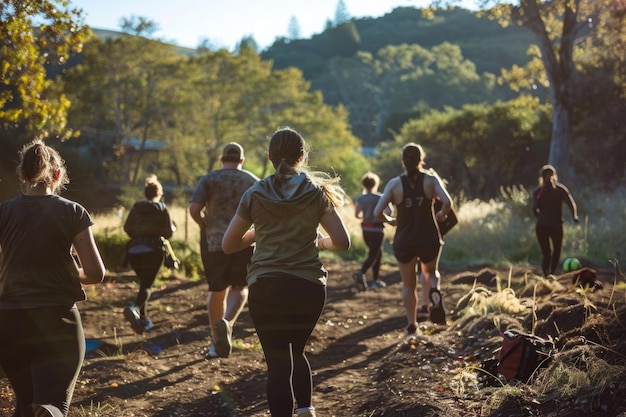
x: 417, y: 235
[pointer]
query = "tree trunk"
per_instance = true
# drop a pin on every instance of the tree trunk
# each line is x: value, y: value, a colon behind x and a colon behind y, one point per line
x: 561, y: 139
x: 558, y: 62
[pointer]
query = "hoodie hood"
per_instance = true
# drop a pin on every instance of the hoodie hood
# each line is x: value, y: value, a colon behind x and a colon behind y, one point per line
x: 286, y: 197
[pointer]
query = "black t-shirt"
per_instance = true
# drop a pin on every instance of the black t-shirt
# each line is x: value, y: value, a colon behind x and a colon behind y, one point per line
x: 36, y: 266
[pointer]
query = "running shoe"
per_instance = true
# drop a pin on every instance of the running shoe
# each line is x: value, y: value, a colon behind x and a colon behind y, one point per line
x: 361, y: 280
x: 306, y: 413
x: 378, y: 283
x: 211, y: 353
x: 224, y: 345
x: 131, y: 314
x: 437, y: 312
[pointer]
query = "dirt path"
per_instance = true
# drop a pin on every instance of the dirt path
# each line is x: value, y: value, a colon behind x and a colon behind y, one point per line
x: 361, y: 365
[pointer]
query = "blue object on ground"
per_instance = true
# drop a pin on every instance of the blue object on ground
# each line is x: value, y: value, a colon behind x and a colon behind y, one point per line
x: 92, y: 344
x: 152, y: 348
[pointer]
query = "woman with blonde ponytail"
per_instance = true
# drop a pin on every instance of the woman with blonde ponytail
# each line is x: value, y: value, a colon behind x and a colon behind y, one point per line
x: 287, y: 280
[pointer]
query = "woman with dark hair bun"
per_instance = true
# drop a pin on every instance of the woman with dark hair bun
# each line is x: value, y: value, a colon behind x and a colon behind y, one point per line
x: 286, y: 278
x: 417, y: 235
x: 41, y: 233
x: 373, y: 231
x: 548, y: 199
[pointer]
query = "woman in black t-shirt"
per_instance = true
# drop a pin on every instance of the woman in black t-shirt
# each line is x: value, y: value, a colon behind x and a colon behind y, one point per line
x: 43, y: 344
x: 548, y: 199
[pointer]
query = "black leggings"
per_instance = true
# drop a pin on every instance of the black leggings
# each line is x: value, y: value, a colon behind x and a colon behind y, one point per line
x: 550, y: 256
x: 285, y: 310
x: 41, y: 353
x: 374, y: 242
x: 146, y: 266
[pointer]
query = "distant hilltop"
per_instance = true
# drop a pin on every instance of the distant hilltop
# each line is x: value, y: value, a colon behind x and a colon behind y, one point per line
x: 106, y: 34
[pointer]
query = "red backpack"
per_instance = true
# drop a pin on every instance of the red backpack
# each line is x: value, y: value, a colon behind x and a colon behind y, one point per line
x: 522, y: 354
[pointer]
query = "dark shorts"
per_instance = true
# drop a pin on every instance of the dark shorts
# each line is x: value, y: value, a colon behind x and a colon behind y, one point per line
x: 223, y: 270
x: 424, y: 254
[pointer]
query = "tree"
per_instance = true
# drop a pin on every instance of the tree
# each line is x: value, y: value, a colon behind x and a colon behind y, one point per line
x: 558, y: 25
x: 138, y: 26
x: 341, y: 13
x: 294, y: 28
x: 479, y: 147
x: 27, y: 50
x: 120, y: 92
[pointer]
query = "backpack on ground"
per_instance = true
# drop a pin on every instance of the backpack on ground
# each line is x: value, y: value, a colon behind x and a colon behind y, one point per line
x: 522, y: 354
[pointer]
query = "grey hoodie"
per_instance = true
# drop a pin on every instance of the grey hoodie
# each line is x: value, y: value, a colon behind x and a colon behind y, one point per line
x: 286, y: 217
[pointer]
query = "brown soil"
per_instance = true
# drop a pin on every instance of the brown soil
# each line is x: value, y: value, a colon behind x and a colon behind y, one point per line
x: 362, y: 366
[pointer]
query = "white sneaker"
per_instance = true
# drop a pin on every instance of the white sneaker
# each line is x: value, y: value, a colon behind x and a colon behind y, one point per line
x: 309, y: 412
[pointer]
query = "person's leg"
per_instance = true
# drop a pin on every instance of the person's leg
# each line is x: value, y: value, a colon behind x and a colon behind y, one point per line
x: 235, y: 302
x: 146, y: 266
x: 429, y: 271
x: 236, y: 277
x: 216, y: 269
x: 543, y: 238
x: 59, y: 348
x: 430, y: 284
x: 15, y: 358
x: 216, y: 305
x: 373, y: 242
x: 409, y: 292
x: 556, y: 236
x: 270, y: 310
x: 311, y: 298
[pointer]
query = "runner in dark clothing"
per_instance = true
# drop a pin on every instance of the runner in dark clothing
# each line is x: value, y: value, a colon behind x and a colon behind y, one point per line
x: 417, y: 234
x: 42, y: 341
x: 147, y: 223
x: 373, y: 231
x: 548, y: 199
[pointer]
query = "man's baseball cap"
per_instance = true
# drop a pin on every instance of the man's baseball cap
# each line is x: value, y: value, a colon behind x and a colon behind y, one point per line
x: 233, y: 151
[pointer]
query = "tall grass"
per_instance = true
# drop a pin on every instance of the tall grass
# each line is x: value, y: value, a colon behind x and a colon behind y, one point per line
x: 497, y: 232
x: 502, y: 231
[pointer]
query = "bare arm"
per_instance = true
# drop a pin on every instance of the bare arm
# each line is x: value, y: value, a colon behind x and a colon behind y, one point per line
x: 389, y: 196
x: 238, y: 236
x: 434, y: 188
x: 358, y: 210
x: 338, y: 238
x: 92, y: 268
x: 195, y: 210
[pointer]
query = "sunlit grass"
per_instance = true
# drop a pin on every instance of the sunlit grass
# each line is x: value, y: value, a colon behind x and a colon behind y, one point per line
x: 497, y: 232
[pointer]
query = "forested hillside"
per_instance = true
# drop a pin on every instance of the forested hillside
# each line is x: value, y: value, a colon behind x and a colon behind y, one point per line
x: 478, y: 97
x: 390, y: 69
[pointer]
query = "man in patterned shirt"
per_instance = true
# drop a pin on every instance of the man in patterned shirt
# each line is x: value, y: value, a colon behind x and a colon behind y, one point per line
x: 213, y: 204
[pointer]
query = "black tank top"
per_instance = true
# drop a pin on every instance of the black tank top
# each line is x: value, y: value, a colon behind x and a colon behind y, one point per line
x: 416, y: 226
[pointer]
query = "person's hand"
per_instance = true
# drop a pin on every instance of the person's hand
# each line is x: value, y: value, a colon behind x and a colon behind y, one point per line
x: 576, y: 219
x: 440, y: 216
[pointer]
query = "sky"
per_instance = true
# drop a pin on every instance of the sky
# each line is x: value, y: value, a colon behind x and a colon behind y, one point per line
x: 225, y: 22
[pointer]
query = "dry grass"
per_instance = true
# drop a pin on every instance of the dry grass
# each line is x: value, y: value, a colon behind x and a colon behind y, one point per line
x: 498, y: 231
